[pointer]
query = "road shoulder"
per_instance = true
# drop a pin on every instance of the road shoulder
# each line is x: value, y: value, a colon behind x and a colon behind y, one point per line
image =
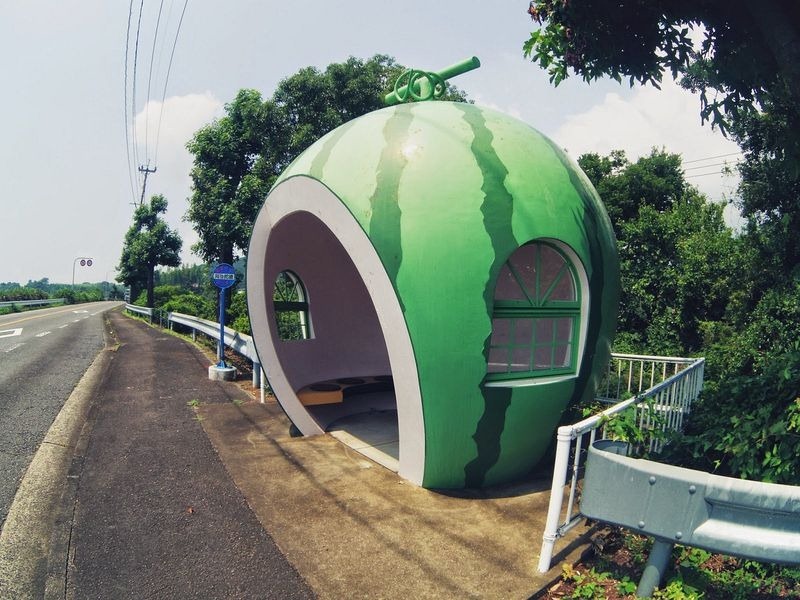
x: 35, y: 525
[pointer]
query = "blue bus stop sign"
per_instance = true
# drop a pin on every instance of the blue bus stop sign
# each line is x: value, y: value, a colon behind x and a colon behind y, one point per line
x: 223, y: 276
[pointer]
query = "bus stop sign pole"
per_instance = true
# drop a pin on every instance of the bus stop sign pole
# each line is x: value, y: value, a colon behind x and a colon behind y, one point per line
x: 223, y: 276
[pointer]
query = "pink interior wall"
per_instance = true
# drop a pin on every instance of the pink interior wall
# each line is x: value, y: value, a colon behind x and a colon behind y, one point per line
x: 347, y: 339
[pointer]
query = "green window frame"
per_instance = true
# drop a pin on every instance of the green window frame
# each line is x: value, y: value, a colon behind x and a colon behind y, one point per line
x: 290, y: 302
x: 536, y: 316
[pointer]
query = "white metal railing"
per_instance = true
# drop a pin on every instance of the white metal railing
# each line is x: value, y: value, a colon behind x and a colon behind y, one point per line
x: 239, y: 342
x: 672, y: 385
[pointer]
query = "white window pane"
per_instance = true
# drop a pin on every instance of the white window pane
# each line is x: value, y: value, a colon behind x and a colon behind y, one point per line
x: 520, y: 359
x: 507, y: 286
x: 501, y: 332
x: 544, y: 331
x: 551, y: 263
x: 498, y: 360
x: 564, y: 291
x: 523, y: 332
x: 524, y: 262
x: 563, y: 329
x: 543, y: 357
x: 562, y: 355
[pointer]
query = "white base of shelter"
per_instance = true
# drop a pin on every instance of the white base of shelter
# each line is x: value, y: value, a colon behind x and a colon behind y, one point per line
x: 305, y: 199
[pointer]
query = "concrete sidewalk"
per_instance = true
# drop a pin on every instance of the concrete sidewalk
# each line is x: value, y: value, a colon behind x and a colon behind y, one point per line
x: 354, y: 529
x: 186, y: 488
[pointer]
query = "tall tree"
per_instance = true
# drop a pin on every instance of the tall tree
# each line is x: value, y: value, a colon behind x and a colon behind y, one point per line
x: 238, y: 157
x: 149, y: 242
x: 769, y: 198
x: 750, y: 51
x: 224, y: 188
x: 677, y: 256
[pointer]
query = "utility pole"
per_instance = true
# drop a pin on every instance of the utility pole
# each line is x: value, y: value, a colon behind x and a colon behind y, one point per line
x: 146, y: 170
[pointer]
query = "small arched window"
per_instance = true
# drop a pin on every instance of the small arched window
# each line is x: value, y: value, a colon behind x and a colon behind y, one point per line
x: 291, y: 307
x: 536, y: 317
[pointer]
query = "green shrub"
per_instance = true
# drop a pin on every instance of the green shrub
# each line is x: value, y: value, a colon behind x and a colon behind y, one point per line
x: 22, y: 293
x: 190, y: 303
x: 238, y: 315
x: 747, y: 421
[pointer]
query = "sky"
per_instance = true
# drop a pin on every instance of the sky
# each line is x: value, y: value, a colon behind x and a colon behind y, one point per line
x: 73, y: 131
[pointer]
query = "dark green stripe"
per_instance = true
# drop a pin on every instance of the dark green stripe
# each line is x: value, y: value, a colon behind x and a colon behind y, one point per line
x: 318, y: 164
x: 497, y: 209
x: 384, y: 223
x: 596, y: 276
x: 498, y: 203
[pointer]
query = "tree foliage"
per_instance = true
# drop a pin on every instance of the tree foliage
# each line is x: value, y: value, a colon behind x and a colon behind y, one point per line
x: 189, y: 277
x: 13, y: 291
x: 225, y: 189
x: 676, y: 253
x: 149, y: 242
x: 238, y: 157
x: 734, y: 300
x: 769, y: 198
x: 748, y: 422
x: 748, y: 54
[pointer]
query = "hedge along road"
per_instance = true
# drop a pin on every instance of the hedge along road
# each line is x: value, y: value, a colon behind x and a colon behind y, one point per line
x: 43, y: 354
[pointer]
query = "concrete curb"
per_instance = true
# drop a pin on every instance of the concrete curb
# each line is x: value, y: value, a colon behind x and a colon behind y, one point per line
x: 34, y: 527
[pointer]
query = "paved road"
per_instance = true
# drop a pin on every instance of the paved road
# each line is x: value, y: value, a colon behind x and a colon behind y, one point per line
x: 156, y: 514
x: 43, y: 354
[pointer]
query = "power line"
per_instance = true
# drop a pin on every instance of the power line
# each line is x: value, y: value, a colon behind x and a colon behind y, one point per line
x: 704, y: 174
x: 719, y: 164
x: 133, y: 87
x: 141, y: 156
x: 149, y: 82
x: 686, y: 162
x: 125, y: 110
x: 166, y: 79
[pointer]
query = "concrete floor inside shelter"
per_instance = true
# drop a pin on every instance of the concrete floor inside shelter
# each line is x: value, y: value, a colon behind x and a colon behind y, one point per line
x: 367, y: 423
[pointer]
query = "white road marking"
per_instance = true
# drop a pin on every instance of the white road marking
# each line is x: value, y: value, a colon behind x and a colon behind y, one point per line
x: 77, y: 312
x: 64, y: 325
x: 76, y: 321
x: 44, y: 333
x: 11, y: 332
x: 14, y: 347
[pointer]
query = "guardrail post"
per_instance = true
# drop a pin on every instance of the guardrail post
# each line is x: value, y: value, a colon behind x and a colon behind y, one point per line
x: 655, y: 568
x: 550, y: 535
x: 256, y: 374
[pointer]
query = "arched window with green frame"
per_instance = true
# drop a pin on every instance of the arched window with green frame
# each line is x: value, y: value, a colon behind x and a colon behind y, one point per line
x: 536, y: 316
x: 291, y: 307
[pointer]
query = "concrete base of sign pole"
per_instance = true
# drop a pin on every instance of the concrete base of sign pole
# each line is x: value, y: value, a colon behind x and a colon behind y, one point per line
x: 218, y: 373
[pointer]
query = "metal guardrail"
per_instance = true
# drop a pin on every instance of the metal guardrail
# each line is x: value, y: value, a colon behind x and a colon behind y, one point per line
x: 239, y: 342
x: 749, y: 519
x: 141, y: 310
x: 660, y: 408
x: 33, y: 302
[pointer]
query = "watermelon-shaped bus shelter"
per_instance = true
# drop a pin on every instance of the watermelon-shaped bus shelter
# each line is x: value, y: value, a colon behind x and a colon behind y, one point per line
x: 451, y: 277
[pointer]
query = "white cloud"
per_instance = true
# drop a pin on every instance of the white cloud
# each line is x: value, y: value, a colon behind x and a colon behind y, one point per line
x: 181, y: 117
x: 513, y: 111
x: 668, y: 118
